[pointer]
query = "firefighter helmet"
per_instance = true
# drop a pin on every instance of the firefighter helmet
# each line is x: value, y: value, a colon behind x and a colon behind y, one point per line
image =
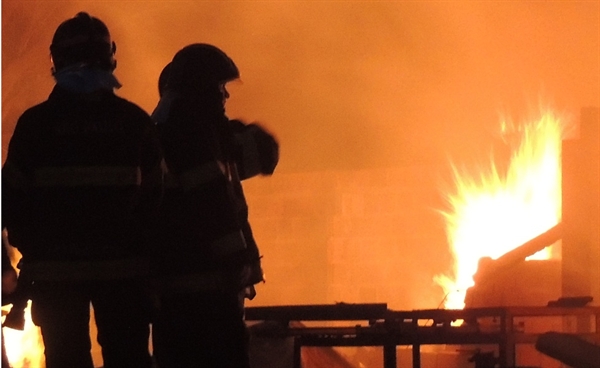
x: 83, y: 39
x: 163, y: 79
x: 199, y: 66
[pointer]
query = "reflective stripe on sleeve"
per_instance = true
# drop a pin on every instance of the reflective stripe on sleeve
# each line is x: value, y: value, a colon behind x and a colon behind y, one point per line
x: 199, y: 175
x: 13, y: 175
x: 229, y: 244
x: 73, y: 176
x: 157, y: 176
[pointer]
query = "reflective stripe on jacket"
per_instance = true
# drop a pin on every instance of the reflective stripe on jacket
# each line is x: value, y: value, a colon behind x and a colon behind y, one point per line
x: 74, y: 176
x: 85, y: 270
x: 196, y: 176
x: 13, y: 176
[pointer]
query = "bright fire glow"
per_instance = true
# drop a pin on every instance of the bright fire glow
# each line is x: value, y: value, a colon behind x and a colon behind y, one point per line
x: 494, y: 212
x: 25, y: 349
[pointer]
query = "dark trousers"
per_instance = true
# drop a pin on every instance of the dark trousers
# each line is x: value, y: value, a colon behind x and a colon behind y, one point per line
x: 122, y: 313
x: 201, y: 330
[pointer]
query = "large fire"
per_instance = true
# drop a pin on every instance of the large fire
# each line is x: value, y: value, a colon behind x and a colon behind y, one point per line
x: 494, y: 211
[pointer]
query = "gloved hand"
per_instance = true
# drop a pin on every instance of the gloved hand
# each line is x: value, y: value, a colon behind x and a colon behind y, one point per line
x: 251, y: 274
x: 250, y: 292
x: 267, y: 146
x: 256, y: 149
x: 256, y: 273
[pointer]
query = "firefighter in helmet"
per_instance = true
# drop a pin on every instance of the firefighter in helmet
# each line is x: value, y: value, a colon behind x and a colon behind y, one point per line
x: 82, y: 183
x: 212, y: 261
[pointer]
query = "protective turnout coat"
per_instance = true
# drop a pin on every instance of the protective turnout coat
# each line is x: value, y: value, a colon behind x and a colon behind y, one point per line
x: 204, y: 216
x: 81, y: 182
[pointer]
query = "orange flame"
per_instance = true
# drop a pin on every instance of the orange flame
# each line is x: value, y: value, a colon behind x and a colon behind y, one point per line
x: 493, y: 212
x: 25, y: 349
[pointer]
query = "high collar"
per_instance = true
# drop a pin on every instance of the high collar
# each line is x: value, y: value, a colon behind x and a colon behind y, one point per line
x: 83, y: 79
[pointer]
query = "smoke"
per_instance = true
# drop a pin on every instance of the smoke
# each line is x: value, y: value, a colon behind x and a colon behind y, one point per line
x: 343, y: 84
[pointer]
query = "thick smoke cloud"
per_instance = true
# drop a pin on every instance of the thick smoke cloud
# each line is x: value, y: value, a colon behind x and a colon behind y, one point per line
x: 343, y: 84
